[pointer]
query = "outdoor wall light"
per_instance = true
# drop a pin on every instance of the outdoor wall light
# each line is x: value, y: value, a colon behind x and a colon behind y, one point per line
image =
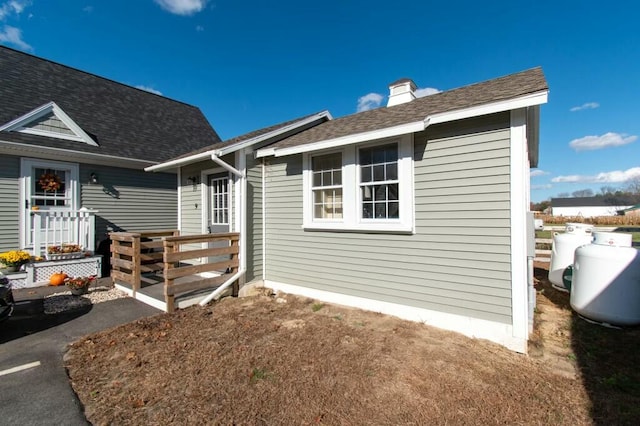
x: 192, y: 180
x: 93, y: 177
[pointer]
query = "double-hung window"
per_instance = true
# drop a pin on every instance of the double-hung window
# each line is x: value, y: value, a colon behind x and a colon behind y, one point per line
x: 366, y: 187
x: 327, y: 186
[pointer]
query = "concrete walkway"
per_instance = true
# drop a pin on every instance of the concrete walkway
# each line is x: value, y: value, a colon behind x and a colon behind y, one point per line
x: 34, y: 385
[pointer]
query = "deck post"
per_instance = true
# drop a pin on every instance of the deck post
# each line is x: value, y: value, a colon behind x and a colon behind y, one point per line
x: 169, y: 297
x: 135, y: 245
x: 235, y: 289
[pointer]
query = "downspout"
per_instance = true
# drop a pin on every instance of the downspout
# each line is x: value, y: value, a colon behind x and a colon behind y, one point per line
x: 264, y: 220
x: 243, y: 208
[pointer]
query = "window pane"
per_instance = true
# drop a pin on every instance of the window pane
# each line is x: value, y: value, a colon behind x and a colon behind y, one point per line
x: 378, y: 155
x: 392, y: 171
x: 317, y: 179
x: 365, y: 156
x: 337, y: 177
x: 326, y: 178
x: 392, y: 193
x: 391, y: 153
x: 394, y: 210
x: 365, y: 174
x: 378, y: 173
x: 367, y: 193
x: 381, y: 192
x: 381, y: 211
x: 367, y: 210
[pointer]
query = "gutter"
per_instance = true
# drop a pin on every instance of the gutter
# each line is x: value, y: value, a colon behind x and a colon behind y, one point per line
x: 243, y: 208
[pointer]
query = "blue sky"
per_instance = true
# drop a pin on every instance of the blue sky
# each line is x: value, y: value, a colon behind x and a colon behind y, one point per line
x: 250, y: 64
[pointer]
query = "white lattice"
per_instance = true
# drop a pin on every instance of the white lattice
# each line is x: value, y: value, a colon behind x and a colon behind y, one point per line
x: 74, y: 268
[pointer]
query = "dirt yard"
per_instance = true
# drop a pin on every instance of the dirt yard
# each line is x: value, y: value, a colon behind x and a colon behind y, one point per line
x: 288, y: 360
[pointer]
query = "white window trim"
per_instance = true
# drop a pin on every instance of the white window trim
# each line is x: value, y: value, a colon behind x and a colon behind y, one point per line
x: 351, y: 198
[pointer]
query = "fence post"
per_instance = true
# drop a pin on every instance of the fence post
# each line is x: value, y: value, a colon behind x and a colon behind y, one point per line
x: 37, y: 233
x: 135, y: 245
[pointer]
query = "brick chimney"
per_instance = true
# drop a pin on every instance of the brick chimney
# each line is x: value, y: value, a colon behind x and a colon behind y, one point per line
x: 401, y: 91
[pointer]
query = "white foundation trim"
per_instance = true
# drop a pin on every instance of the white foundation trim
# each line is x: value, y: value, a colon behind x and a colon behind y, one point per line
x: 471, y: 327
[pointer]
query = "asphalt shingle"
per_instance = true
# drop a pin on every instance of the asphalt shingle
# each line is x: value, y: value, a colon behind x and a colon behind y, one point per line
x: 125, y: 121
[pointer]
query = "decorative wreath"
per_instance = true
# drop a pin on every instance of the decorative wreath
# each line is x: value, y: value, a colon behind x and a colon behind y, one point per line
x: 50, y: 182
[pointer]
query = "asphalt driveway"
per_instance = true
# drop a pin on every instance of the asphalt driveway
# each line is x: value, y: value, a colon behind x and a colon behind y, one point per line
x: 34, y: 387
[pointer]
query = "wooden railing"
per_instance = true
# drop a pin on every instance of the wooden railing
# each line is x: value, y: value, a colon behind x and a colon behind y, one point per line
x: 166, y: 252
x: 134, y: 253
x: 175, y: 253
x: 57, y: 227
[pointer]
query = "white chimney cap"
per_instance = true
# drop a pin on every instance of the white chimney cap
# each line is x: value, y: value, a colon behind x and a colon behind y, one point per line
x: 401, y: 91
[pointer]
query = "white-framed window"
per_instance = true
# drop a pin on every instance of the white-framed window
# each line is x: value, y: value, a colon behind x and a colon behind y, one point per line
x: 326, y: 186
x: 365, y: 187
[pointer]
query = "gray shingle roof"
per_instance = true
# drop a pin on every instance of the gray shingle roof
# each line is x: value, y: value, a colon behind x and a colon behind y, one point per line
x: 245, y: 137
x: 125, y: 121
x: 499, y: 89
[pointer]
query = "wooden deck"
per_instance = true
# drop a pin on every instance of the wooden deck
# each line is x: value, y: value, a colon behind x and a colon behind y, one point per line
x: 170, y: 271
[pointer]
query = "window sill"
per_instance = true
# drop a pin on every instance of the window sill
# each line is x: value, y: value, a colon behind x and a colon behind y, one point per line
x: 361, y: 228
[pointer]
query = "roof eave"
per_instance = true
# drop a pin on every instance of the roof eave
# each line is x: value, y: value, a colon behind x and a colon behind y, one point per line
x: 324, y: 115
x: 528, y: 100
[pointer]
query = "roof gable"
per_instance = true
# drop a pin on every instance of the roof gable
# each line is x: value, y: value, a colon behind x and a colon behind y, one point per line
x: 51, y: 121
x: 124, y: 122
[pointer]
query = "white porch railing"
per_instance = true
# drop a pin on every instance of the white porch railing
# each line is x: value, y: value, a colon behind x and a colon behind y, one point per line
x: 57, y: 227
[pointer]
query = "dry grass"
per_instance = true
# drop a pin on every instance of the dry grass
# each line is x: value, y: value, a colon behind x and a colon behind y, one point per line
x: 628, y: 220
x: 258, y: 361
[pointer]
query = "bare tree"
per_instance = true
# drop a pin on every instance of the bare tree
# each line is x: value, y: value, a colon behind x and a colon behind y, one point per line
x: 634, y: 186
x: 583, y: 193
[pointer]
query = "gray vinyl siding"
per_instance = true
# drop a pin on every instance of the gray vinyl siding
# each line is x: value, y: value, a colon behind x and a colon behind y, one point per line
x: 9, y: 202
x: 192, y: 204
x: 458, y: 260
x: 129, y: 200
x: 254, y: 219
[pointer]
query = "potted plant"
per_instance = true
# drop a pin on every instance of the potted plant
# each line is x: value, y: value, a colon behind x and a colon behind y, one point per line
x: 79, y: 285
x: 10, y: 261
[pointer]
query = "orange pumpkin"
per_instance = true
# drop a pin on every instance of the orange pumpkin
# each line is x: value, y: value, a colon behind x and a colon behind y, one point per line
x: 58, y: 278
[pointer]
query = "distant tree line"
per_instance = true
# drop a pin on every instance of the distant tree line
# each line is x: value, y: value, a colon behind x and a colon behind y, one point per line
x: 626, y: 196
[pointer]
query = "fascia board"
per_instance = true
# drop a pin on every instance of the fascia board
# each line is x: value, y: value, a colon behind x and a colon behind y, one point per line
x: 538, y: 98
x: 533, y: 99
x: 402, y: 129
x: 276, y: 132
x: 237, y: 146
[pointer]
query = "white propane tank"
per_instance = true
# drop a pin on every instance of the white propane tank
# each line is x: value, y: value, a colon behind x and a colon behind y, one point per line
x: 563, y: 247
x: 605, y: 286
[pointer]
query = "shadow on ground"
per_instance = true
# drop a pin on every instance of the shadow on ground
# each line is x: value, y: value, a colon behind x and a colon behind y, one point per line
x: 608, y: 360
x: 29, y: 318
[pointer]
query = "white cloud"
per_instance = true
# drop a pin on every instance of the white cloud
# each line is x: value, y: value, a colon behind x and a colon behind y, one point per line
x: 539, y: 187
x: 370, y: 101
x: 538, y: 172
x: 607, y: 140
x: 12, y: 6
x: 199, y: 28
x: 149, y: 89
x: 616, y: 176
x: 588, y: 105
x: 87, y: 9
x: 426, y: 91
x: 182, y: 7
x: 13, y: 35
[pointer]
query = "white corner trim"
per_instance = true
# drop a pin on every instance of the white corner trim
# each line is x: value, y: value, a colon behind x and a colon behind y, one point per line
x: 402, y: 129
x: 491, y: 108
x: 468, y: 326
x: 518, y: 188
x: 18, y: 125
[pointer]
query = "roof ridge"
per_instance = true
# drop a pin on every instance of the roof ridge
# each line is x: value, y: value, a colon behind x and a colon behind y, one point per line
x: 95, y: 75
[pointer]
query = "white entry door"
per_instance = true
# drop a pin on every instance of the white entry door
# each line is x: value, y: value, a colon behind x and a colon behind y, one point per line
x: 219, y: 210
x: 45, y: 185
